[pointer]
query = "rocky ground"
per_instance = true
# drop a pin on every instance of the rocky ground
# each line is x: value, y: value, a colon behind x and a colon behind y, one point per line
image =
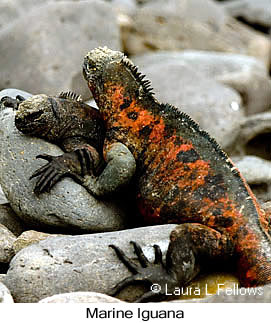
x: 212, y: 63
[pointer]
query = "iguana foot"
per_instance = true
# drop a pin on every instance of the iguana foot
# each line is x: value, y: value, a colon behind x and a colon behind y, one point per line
x: 66, y: 165
x: 155, y: 275
x: 9, y: 102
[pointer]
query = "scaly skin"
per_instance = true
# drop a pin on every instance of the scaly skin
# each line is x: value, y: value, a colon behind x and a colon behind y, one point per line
x: 66, y: 121
x: 181, y: 175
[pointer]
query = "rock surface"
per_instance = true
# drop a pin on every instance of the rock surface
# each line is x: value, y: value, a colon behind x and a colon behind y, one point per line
x: 254, y: 136
x: 81, y: 297
x: 5, y: 296
x: 14, y: 92
x: 245, y: 74
x: 3, y: 199
x: 179, y: 25
x: 29, y: 237
x: 216, y: 107
x: 7, y: 239
x: 253, y: 12
x: 78, y: 263
x: 68, y: 206
x: 38, y: 59
x: 257, y: 173
x: 10, y: 220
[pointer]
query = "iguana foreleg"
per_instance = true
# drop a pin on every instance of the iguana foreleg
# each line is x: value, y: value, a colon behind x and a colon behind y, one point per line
x: 120, y: 168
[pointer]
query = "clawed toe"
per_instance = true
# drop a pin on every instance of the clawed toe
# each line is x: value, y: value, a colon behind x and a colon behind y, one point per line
x: 56, y: 168
x: 86, y: 160
x: 146, y: 273
x: 9, y: 102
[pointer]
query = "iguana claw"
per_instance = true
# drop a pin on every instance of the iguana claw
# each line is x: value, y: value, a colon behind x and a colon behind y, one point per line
x: 57, y: 167
x: 10, y: 102
x: 153, y: 274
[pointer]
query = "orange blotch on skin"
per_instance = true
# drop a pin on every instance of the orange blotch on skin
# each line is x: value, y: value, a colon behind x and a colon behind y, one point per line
x: 182, y: 174
x: 144, y: 118
x: 186, y: 147
x: 157, y: 135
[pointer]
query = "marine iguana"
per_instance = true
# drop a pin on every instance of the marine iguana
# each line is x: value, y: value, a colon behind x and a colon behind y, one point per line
x: 65, y: 120
x: 181, y: 176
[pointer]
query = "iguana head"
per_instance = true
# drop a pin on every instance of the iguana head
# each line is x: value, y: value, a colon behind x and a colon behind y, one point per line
x: 37, y: 116
x: 113, y: 78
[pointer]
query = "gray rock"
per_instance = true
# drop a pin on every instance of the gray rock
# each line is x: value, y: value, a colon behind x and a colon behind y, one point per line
x: 29, y: 237
x: 254, y: 136
x: 7, y: 239
x: 254, y: 169
x: 246, y: 74
x: 81, y: 297
x: 38, y: 59
x: 254, y: 12
x: 257, y: 173
x: 216, y: 107
x: 123, y: 4
x: 9, y: 11
x: 181, y: 25
x: 5, y: 296
x: 2, y: 276
x: 10, y: 220
x: 3, y: 199
x: 14, y: 92
x: 68, y: 205
x: 79, y: 263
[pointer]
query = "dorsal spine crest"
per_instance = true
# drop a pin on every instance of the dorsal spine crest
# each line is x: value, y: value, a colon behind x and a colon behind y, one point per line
x: 146, y: 84
x: 70, y: 95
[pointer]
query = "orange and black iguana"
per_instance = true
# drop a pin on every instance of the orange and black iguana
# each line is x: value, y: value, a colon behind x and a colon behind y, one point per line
x: 181, y: 176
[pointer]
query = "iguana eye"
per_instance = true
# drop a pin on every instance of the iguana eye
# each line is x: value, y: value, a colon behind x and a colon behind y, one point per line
x: 34, y: 115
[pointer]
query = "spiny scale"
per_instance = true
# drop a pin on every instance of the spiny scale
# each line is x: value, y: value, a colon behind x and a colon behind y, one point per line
x: 70, y: 95
x: 178, y: 114
x: 146, y: 84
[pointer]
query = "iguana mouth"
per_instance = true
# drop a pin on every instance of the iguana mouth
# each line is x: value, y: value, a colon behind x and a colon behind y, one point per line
x: 22, y: 122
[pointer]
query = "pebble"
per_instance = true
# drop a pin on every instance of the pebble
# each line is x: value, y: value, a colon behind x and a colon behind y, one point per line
x: 79, y: 263
x: 245, y: 74
x: 7, y: 239
x: 80, y: 297
x: 3, y: 199
x: 10, y: 220
x: 5, y: 296
x: 68, y: 206
x: 257, y: 173
x: 253, y: 12
x: 46, y: 61
x: 254, y: 136
x: 29, y: 237
x: 179, y: 25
